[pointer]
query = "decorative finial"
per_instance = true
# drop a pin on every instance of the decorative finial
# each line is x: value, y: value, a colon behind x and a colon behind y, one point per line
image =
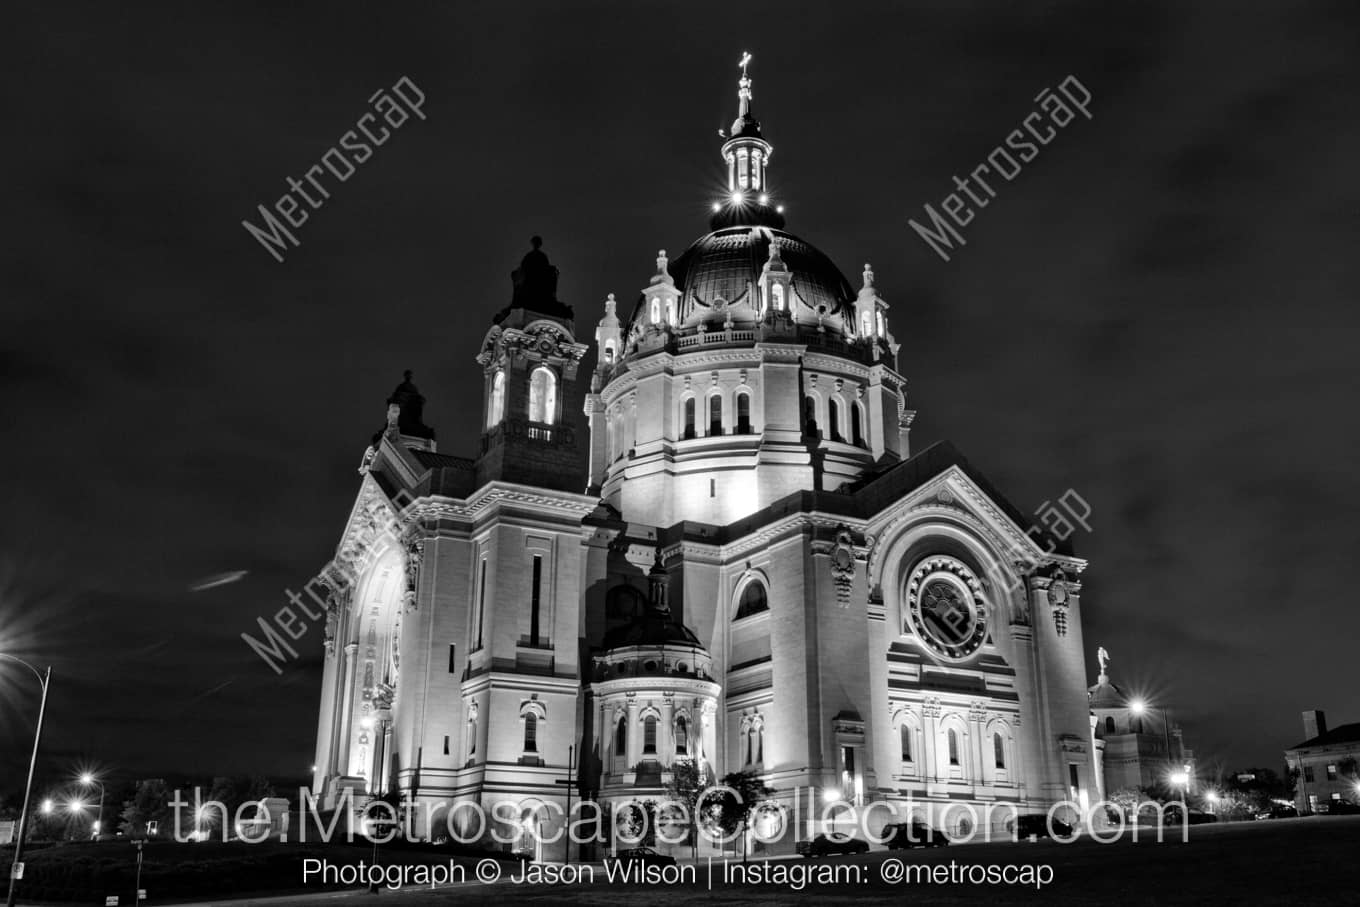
x: 868, y: 276
x: 407, y: 375
x: 744, y: 86
x: 663, y: 274
x: 610, y: 306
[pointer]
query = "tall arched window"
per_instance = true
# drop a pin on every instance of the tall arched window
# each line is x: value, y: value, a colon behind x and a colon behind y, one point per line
x: 906, y: 742
x: 715, y: 426
x: 531, y: 733
x: 857, y: 425
x: 681, y: 736
x: 656, y: 310
x: 743, y: 413
x: 999, y: 750
x: 620, y: 443
x: 833, y: 418
x: 649, y: 734
x: 953, y: 747
x: 1109, y: 725
x: 743, y: 174
x: 777, y: 296
x: 690, y: 430
x: 866, y: 325
x: 496, y: 410
x: 670, y: 312
x: 543, y: 396
x: 810, y: 416
x: 472, y: 737
x: 621, y: 738
x: 753, y: 600
x: 882, y: 324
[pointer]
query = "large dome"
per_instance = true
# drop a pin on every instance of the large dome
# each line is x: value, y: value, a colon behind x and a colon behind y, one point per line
x: 723, y: 268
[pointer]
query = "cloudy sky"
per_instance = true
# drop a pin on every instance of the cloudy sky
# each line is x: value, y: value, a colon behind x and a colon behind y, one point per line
x: 1158, y: 312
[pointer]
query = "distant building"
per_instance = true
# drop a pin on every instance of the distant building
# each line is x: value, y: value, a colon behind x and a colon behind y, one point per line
x: 1327, y: 764
x: 1135, y: 744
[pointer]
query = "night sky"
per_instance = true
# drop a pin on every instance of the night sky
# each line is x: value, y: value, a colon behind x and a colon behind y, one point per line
x: 1158, y: 313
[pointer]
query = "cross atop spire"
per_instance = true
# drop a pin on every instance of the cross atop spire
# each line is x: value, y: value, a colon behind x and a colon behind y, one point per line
x: 744, y: 87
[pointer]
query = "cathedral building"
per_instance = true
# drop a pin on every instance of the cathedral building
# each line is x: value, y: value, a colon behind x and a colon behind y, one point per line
x: 716, y: 546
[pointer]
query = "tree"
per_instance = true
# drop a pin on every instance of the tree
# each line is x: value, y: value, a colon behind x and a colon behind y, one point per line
x: 733, y: 812
x: 687, y: 783
x: 149, y: 804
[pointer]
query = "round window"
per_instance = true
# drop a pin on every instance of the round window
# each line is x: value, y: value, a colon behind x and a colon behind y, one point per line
x: 945, y: 608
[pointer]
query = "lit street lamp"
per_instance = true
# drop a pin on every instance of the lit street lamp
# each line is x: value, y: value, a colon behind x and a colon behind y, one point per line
x: 44, y: 680
x: 87, y: 779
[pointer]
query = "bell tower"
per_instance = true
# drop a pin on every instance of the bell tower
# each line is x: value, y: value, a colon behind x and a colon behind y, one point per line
x: 531, y: 393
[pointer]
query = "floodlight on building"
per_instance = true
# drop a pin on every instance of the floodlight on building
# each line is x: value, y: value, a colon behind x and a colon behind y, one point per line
x: 1138, y: 706
x: 830, y: 795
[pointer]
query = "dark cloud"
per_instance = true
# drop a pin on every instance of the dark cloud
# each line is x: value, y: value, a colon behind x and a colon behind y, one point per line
x: 1155, y: 312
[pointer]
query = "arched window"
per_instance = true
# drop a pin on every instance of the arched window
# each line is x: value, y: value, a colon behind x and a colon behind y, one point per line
x: 681, y: 736
x: 496, y: 410
x: 833, y: 418
x: 472, y: 737
x: 670, y: 312
x: 656, y: 310
x: 777, y: 296
x: 1109, y: 724
x: 856, y: 425
x: 620, y: 443
x: 953, y: 747
x: 715, y: 415
x: 999, y: 750
x: 543, y: 396
x: 649, y: 734
x: 622, y: 603
x: 810, y: 416
x: 882, y: 323
x: 906, y: 742
x: 689, y: 419
x: 609, y: 351
x: 867, y: 325
x: 621, y: 738
x: 743, y: 174
x: 753, y: 600
x: 531, y: 733
x: 743, y: 413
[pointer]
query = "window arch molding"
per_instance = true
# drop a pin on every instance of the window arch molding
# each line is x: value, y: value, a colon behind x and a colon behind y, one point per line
x: 688, y: 416
x: 715, y: 405
x: 750, y: 580
x: 953, y: 761
x: 999, y: 760
x: 741, y: 411
x: 543, y: 395
x: 910, y: 741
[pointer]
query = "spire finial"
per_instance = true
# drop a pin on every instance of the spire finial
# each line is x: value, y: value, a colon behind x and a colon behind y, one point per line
x: 868, y: 276
x: 744, y: 86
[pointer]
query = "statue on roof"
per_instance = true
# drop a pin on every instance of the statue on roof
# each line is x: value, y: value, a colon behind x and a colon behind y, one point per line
x: 535, y: 280
x: 1104, y: 658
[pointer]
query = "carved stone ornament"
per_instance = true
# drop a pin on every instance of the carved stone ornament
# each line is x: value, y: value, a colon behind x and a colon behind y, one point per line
x: 1058, y: 598
x: 843, y: 566
x: 415, y: 551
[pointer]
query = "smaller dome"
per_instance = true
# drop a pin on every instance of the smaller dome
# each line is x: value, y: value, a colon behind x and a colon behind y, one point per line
x: 1105, y: 695
x: 652, y: 628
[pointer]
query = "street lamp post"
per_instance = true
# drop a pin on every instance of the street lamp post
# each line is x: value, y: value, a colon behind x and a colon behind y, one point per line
x: 44, y: 680
x: 86, y: 780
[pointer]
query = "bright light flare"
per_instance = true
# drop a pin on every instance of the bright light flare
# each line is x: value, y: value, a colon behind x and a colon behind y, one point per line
x: 764, y: 199
x: 1138, y: 706
x: 830, y: 795
x: 736, y: 198
x: 1180, y: 778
